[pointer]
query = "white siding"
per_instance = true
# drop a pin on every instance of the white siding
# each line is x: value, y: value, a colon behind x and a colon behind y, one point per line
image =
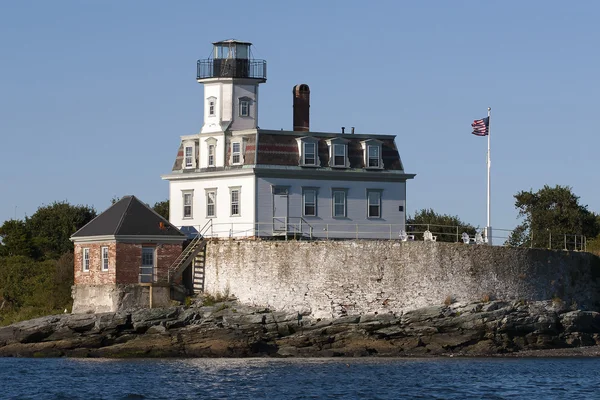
x: 212, y: 124
x: 223, y: 224
x: 392, y: 220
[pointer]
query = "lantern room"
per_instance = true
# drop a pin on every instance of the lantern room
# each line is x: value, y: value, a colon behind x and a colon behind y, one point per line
x: 232, y: 59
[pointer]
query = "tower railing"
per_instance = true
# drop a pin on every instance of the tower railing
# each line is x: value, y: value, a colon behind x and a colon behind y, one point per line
x: 231, y: 68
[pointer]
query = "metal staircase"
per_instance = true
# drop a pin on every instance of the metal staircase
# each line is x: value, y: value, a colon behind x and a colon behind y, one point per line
x: 195, y: 251
x: 198, y: 271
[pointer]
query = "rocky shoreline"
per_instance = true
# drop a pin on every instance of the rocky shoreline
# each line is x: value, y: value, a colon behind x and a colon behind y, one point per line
x: 230, y: 329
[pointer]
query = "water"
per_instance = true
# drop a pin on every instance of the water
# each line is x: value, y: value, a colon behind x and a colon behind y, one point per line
x: 564, y: 378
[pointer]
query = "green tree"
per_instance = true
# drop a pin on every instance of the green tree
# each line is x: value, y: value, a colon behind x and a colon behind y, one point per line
x: 52, y: 226
x: 30, y: 288
x: 447, y: 228
x: 16, y: 239
x: 552, y: 215
x: 162, y: 208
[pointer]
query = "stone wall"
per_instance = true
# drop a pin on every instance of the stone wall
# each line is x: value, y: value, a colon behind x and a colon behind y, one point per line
x: 330, y: 279
x: 113, y: 298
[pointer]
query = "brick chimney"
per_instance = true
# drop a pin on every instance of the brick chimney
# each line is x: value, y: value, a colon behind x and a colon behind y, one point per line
x: 301, y: 107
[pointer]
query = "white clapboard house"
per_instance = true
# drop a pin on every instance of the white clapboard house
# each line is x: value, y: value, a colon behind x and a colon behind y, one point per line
x: 238, y: 180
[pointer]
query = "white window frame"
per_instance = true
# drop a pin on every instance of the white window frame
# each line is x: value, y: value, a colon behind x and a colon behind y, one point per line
x: 214, y: 204
x: 144, y: 267
x: 211, y: 155
x: 237, y: 153
x: 369, y: 158
x: 344, y: 202
x: 244, y: 107
x: 85, y: 259
x: 304, y: 153
x: 212, y: 105
x: 189, y: 158
x: 379, y: 204
x: 184, y: 195
x: 315, y: 193
x: 336, y: 146
x: 104, y: 258
x: 237, y: 212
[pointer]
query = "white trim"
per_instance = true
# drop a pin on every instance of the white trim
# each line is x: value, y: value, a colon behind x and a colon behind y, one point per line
x: 190, y: 193
x: 209, y: 162
x: 237, y: 189
x: 345, y: 203
x: 102, y: 259
x: 239, y: 153
x: 379, y: 192
x: 297, y: 172
x: 187, y: 157
x: 85, y: 262
x: 315, y: 192
x: 207, y: 191
x: 128, y: 239
x: 212, y: 99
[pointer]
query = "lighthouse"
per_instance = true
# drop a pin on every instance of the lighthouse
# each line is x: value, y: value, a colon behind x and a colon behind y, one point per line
x: 230, y: 78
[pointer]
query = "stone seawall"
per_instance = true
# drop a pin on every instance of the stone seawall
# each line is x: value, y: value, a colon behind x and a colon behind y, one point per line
x: 335, y: 278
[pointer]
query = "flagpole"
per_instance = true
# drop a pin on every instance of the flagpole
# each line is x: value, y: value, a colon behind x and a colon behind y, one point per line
x: 488, y: 229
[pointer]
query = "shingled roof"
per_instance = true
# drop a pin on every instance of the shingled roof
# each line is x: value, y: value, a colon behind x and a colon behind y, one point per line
x: 129, y: 217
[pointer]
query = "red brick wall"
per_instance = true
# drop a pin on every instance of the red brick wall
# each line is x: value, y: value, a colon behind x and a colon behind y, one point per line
x: 95, y: 276
x: 129, y: 260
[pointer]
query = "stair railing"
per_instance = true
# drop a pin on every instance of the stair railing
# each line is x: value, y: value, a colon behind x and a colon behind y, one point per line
x: 182, y: 258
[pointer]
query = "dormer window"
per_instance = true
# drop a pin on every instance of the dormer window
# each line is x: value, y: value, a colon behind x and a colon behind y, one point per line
x: 308, y: 149
x: 236, y: 153
x: 372, y: 153
x: 373, y: 157
x: 338, y: 152
x: 244, y: 107
x: 189, y: 159
x: 339, y: 155
x: 310, y: 154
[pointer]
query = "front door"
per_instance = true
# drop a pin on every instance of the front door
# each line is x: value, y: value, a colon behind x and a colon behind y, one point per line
x: 280, y: 209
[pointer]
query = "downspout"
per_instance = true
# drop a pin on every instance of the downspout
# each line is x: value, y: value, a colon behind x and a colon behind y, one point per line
x: 255, y: 219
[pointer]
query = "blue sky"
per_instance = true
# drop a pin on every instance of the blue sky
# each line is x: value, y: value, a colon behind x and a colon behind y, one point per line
x: 95, y: 94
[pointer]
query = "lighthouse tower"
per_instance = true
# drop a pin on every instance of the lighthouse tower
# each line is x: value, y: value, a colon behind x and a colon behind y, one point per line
x: 231, y: 78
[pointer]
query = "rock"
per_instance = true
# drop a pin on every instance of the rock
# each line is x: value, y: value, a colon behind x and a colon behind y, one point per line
x: 422, y: 315
x: 233, y: 330
x: 581, y: 321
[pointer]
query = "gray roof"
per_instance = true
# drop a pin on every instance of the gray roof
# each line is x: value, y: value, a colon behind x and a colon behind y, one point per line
x: 129, y: 217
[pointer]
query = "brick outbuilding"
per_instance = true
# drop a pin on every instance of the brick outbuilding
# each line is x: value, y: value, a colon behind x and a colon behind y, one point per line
x: 122, y: 259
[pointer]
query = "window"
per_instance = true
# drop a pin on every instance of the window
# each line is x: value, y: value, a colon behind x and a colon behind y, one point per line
x: 374, y: 203
x: 211, y: 201
x: 373, y: 157
x: 85, y: 260
x: 235, y: 153
x: 339, y: 155
x: 211, y: 106
x: 310, y: 202
x: 244, y: 108
x: 235, y: 202
x: 310, y: 156
x: 211, y: 155
x: 104, y: 258
x: 339, y: 203
x: 147, y: 267
x: 188, y: 199
x: 188, y: 156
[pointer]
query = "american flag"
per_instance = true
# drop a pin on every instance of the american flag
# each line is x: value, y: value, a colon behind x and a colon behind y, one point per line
x: 480, y: 126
